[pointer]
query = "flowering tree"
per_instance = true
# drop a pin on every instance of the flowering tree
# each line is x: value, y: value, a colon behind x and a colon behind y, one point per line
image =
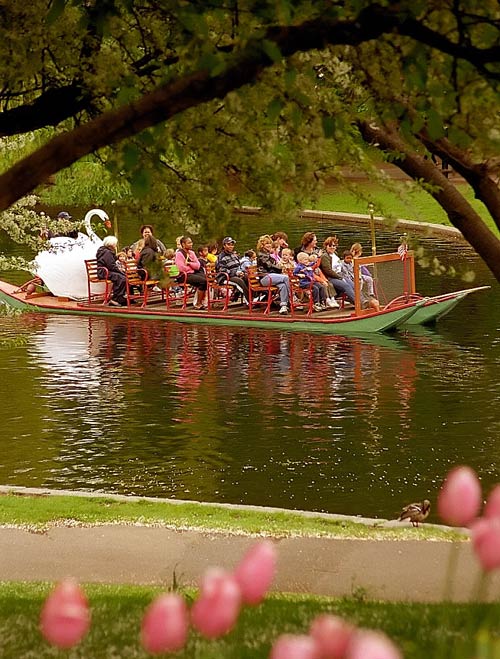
x: 148, y: 89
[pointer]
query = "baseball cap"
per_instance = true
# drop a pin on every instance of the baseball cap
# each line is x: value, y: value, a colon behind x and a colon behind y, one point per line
x: 228, y: 240
x: 63, y: 215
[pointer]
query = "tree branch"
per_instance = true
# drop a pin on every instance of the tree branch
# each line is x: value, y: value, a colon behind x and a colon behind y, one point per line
x: 199, y: 87
x: 458, y: 209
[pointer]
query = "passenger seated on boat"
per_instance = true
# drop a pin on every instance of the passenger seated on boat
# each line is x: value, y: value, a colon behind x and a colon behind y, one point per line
x: 228, y: 261
x: 308, y: 244
x: 287, y: 262
x: 121, y: 259
x: 330, y: 265
x: 146, y: 230
x: 172, y: 270
x: 187, y: 262
x: 320, y: 277
x: 248, y: 259
x: 106, y: 259
x: 63, y: 219
x: 281, y: 238
x: 202, y: 256
x: 271, y: 273
x: 357, y: 252
x: 150, y: 261
x: 213, y: 250
x: 347, y: 269
x: 305, y: 272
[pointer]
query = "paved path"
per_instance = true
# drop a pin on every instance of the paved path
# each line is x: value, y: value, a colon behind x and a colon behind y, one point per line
x: 393, y: 570
x: 408, y: 570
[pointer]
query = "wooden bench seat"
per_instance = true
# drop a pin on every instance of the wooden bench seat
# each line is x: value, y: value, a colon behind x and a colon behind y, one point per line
x: 93, y: 280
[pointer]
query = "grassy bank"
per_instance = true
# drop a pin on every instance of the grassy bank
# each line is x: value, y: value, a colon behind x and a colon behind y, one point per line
x: 402, y: 202
x: 420, y: 630
x: 88, y: 183
x: 41, y: 511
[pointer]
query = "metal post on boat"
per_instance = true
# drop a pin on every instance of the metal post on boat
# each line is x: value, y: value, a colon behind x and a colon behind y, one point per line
x: 371, y: 210
x: 115, y: 221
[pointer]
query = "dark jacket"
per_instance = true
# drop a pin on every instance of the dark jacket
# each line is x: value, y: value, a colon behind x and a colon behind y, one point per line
x: 230, y: 263
x: 326, y: 267
x: 106, y: 258
x: 146, y: 257
x: 266, y: 263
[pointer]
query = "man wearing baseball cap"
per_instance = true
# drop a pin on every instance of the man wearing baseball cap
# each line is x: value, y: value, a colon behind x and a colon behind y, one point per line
x: 45, y: 233
x: 229, y: 261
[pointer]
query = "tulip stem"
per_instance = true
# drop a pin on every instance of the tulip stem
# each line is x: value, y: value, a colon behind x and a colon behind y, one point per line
x: 451, y: 568
x: 480, y: 591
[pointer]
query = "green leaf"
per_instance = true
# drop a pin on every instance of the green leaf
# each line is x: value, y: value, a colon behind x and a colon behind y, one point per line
x: 140, y: 183
x: 434, y: 124
x: 296, y: 117
x: 290, y: 77
x: 214, y: 64
x: 272, y: 50
x: 274, y: 109
x: 130, y: 155
x: 328, y: 123
x: 56, y: 9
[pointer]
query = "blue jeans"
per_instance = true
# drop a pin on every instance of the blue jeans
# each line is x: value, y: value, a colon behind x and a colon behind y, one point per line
x: 282, y: 284
x: 343, y: 287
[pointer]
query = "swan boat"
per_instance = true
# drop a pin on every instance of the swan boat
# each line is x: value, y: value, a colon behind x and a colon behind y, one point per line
x: 401, y: 305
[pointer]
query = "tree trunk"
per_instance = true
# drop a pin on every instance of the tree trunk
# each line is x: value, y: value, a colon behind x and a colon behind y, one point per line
x: 458, y: 209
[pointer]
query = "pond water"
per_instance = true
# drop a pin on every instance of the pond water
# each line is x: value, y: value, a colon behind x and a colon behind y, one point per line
x: 294, y: 420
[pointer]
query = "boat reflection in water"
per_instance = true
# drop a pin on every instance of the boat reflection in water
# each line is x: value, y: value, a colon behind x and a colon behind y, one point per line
x: 288, y: 419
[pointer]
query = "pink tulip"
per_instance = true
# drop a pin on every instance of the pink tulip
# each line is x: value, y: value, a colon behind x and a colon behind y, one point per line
x: 332, y: 636
x: 256, y: 571
x: 216, y: 610
x: 492, y: 507
x: 367, y: 644
x: 291, y: 646
x: 165, y: 624
x: 459, y: 500
x: 486, y: 542
x: 65, y: 616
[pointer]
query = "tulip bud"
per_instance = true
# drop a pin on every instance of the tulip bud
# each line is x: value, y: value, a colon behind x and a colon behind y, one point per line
x: 256, y: 571
x: 216, y: 610
x: 165, y: 624
x: 486, y: 542
x: 292, y: 646
x: 367, y: 644
x: 332, y: 636
x: 65, y: 616
x: 459, y: 500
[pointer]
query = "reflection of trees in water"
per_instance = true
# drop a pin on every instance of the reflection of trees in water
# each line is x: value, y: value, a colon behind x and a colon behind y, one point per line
x: 208, y: 412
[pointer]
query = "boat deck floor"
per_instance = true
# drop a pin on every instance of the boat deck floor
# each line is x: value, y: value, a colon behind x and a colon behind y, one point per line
x: 157, y: 306
x: 234, y: 310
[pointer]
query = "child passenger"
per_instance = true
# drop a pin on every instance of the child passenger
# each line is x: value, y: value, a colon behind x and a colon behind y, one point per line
x: 202, y: 255
x: 249, y: 259
x: 305, y: 272
x: 320, y: 277
x: 212, y: 253
x: 121, y: 259
x: 173, y: 269
x: 347, y: 270
x: 287, y: 261
x: 357, y: 252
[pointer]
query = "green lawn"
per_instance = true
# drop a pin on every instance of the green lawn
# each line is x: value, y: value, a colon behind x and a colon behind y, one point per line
x: 420, y: 630
x: 404, y: 201
x: 438, y: 630
x: 41, y: 511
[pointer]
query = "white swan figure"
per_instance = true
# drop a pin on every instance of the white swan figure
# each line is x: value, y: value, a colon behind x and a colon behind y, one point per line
x: 62, y: 267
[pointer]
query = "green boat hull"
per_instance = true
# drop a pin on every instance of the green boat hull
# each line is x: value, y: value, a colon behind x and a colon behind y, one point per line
x: 383, y: 321
x: 437, y: 307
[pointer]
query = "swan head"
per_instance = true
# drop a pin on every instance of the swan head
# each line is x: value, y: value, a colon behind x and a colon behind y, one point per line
x: 101, y: 214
